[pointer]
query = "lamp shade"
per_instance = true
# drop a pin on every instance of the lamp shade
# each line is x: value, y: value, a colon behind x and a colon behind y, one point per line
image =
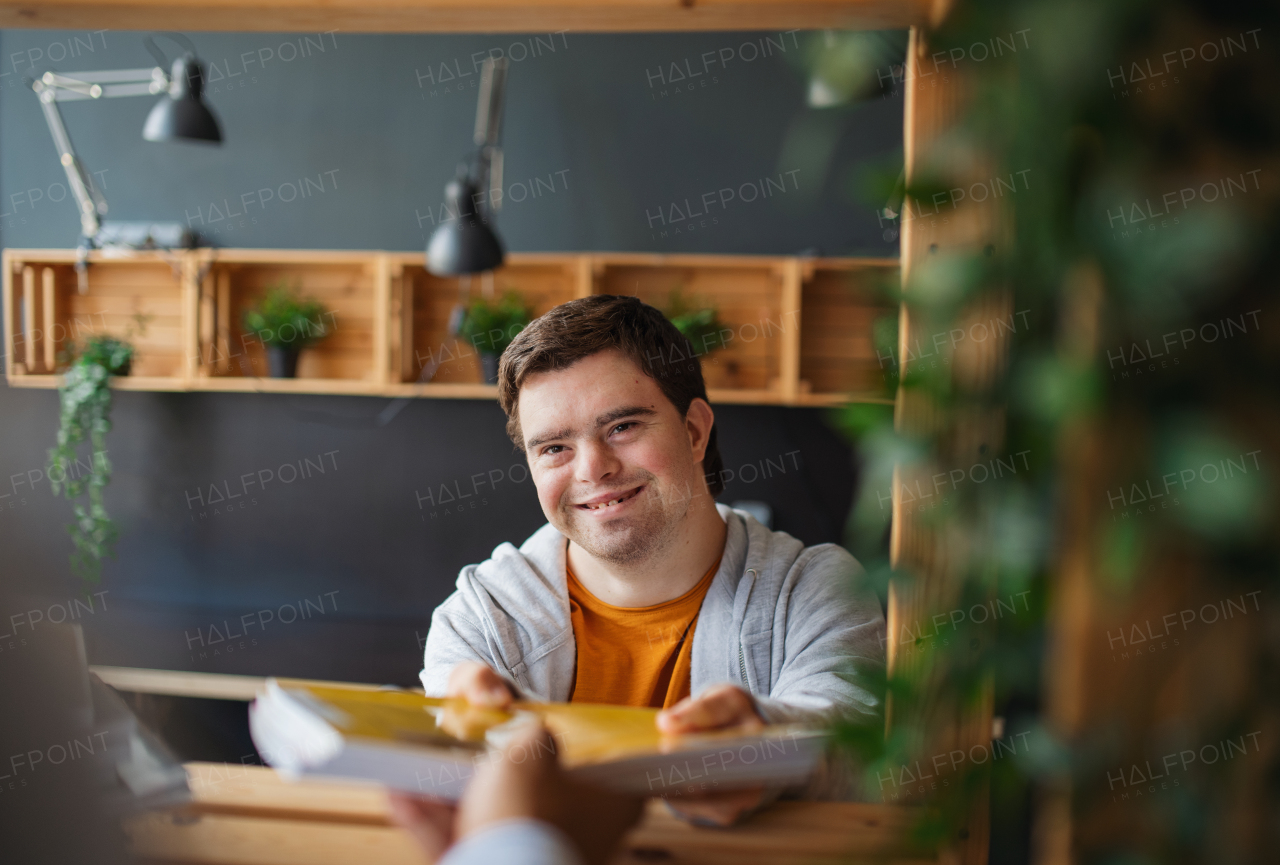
x: 181, y: 113
x: 465, y: 244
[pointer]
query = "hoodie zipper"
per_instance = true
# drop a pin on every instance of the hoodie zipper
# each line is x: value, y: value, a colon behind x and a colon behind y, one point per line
x: 742, y: 660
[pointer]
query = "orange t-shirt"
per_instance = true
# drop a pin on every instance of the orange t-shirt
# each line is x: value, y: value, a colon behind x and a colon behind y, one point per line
x: 634, y: 656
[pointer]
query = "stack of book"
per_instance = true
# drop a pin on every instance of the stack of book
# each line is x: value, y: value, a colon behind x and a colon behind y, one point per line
x: 432, y: 746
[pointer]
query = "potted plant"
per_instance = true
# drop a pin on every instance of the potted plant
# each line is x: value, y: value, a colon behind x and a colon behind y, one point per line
x: 286, y: 324
x: 701, y: 326
x: 84, y: 396
x: 490, y: 326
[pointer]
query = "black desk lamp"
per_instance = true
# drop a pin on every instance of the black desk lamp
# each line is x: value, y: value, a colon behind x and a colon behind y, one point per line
x: 180, y: 115
x: 466, y: 242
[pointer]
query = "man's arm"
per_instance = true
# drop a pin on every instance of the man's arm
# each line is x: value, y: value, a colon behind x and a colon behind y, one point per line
x: 833, y: 649
x: 833, y: 660
x: 832, y: 667
x: 458, y: 660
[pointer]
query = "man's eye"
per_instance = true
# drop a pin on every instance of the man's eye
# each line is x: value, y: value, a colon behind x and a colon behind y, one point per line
x: 552, y: 450
x: 623, y: 427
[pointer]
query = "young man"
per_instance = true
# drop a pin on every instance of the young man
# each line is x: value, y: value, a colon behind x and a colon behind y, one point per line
x: 641, y: 590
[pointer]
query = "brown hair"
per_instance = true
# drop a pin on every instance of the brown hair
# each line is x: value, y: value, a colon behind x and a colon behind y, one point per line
x: 588, y: 325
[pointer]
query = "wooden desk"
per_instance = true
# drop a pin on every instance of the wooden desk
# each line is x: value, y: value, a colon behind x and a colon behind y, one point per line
x: 247, y: 815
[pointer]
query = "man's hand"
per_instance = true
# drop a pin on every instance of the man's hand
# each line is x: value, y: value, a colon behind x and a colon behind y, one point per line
x: 522, y: 781
x: 717, y: 708
x: 480, y: 685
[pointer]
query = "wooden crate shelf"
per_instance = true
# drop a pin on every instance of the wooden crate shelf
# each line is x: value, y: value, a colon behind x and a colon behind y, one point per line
x: 842, y: 300
x: 139, y: 298
x: 800, y: 330
x: 749, y: 301
x: 422, y: 305
x: 231, y: 281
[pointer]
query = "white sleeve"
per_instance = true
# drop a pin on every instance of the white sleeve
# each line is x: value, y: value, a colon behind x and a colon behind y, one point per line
x: 522, y: 841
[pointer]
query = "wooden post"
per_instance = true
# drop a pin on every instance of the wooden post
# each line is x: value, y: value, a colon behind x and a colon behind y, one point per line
x: 190, y: 305
x: 789, y: 367
x: 10, y: 316
x: 917, y: 546
x: 381, y: 372
x: 208, y: 324
x: 29, y: 318
x: 408, y: 359
x: 584, y: 276
x: 47, y: 307
x: 224, y: 322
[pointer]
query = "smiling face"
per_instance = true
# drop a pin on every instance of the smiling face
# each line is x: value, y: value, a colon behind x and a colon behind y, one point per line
x: 616, y: 466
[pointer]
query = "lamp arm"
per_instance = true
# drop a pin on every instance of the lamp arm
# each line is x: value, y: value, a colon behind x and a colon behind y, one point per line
x: 88, y: 85
x: 488, y: 131
x: 89, y: 200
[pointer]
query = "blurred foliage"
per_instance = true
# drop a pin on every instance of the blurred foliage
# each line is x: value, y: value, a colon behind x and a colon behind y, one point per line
x: 283, y: 319
x: 1145, y: 135
x: 84, y: 397
x: 700, y: 325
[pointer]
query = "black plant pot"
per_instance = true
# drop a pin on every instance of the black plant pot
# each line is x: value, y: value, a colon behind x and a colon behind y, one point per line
x: 489, y: 364
x: 282, y: 362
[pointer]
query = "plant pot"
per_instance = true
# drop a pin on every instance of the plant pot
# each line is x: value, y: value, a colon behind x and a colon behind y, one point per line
x: 282, y: 362
x: 489, y: 365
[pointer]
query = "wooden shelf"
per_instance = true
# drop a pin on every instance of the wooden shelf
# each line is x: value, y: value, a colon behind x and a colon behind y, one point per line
x: 800, y: 331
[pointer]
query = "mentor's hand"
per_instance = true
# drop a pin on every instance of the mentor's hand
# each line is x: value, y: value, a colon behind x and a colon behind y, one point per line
x: 717, y: 708
x: 524, y: 780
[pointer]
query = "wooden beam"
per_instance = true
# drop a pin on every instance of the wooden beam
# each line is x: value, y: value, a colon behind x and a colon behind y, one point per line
x: 467, y: 16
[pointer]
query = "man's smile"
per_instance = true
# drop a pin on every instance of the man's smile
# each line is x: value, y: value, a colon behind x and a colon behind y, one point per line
x: 608, y: 501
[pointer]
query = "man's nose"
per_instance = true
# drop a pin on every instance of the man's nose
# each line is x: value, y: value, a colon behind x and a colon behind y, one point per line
x: 595, y: 462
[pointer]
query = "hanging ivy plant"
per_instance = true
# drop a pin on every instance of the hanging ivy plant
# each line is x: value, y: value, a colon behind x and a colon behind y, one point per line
x: 85, y: 400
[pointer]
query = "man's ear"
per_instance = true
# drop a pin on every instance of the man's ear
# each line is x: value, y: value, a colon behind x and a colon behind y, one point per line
x: 698, y: 422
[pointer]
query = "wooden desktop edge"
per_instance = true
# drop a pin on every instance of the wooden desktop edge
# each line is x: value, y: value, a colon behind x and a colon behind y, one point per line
x: 214, y: 686
x: 249, y: 815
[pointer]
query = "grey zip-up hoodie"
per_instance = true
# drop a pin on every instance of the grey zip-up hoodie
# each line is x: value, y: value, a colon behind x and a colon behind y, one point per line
x: 795, y: 626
